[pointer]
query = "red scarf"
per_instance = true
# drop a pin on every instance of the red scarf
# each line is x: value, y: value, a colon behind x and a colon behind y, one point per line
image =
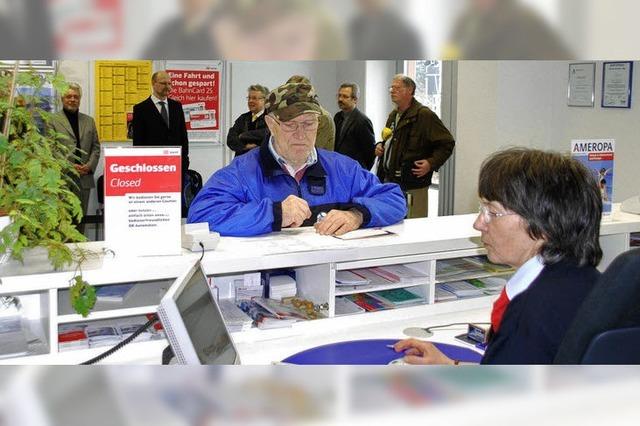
x: 499, y: 306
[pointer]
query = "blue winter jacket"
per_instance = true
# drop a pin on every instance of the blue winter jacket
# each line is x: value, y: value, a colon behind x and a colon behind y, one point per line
x: 245, y: 198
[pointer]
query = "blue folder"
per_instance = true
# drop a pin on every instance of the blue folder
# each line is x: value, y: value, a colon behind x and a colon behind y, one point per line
x: 369, y: 352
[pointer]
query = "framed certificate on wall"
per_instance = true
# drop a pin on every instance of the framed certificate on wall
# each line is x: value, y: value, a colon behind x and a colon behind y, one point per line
x: 616, y: 84
x: 581, y: 87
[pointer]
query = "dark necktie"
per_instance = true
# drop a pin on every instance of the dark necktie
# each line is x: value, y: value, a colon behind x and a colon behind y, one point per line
x: 343, y: 125
x: 163, y: 113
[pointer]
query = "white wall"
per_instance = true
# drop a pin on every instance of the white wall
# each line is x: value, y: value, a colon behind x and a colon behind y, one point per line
x: 378, y: 104
x: 506, y: 103
x: 272, y: 74
x: 79, y: 72
x: 623, y: 125
x: 373, y: 77
x: 351, y: 71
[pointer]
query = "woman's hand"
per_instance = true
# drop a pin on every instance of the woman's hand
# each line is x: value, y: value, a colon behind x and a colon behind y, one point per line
x: 421, y: 352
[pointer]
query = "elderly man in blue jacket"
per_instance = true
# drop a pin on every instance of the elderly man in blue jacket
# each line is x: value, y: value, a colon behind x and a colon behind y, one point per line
x: 289, y: 183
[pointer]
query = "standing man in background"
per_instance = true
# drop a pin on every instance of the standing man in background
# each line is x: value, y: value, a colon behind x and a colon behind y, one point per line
x: 159, y: 121
x: 326, y: 135
x: 354, y: 131
x: 249, y: 130
x: 80, y: 135
x: 419, y: 145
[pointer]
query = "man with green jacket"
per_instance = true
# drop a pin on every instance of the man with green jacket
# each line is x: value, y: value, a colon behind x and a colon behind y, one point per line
x: 418, y: 144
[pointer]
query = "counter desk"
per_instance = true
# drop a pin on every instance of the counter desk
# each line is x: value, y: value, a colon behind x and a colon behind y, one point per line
x: 415, y: 243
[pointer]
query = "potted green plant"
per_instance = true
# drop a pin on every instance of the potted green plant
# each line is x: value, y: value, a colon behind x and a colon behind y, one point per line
x: 35, y: 183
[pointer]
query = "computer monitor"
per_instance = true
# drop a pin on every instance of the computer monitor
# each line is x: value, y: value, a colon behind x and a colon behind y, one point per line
x: 193, y: 322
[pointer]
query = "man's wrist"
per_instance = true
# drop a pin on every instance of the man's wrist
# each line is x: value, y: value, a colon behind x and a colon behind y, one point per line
x: 359, y: 216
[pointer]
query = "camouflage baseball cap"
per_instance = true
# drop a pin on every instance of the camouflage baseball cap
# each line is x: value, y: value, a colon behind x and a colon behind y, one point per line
x: 291, y: 100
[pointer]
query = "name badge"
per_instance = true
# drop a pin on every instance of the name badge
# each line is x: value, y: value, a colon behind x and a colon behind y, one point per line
x: 317, y: 186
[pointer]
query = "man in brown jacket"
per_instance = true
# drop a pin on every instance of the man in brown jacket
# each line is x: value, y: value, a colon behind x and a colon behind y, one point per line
x: 419, y: 145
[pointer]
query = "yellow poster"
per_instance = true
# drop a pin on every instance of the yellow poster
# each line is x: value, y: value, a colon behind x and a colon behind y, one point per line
x: 119, y: 86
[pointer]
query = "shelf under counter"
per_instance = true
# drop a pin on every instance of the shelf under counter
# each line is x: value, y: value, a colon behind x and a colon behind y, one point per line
x: 113, y: 313
x: 366, y: 288
x: 473, y: 275
x: 143, y: 298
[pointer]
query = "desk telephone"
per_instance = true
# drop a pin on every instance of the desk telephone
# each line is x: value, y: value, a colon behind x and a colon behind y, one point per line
x: 195, y: 234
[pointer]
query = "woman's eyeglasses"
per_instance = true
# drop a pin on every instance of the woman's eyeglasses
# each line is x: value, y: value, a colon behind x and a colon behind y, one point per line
x: 488, y: 215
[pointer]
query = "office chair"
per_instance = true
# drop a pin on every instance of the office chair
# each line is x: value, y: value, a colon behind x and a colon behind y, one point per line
x: 100, y: 208
x: 606, y: 329
x: 620, y: 346
x: 191, y: 185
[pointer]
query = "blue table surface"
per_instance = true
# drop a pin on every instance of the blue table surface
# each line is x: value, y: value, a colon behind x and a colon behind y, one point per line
x: 369, y: 352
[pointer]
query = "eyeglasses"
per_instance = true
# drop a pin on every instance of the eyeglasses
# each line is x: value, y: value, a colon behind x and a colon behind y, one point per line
x: 488, y: 215
x: 293, y: 126
x: 253, y: 98
x: 395, y: 88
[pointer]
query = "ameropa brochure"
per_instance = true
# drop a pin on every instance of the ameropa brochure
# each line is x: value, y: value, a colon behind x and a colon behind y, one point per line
x: 142, y: 200
x: 598, y: 156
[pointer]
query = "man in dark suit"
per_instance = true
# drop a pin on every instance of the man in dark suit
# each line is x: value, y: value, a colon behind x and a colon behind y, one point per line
x: 159, y: 120
x: 250, y: 129
x: 354, y: 131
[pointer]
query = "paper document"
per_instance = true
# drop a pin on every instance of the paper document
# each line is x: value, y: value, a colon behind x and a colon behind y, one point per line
x: 349, y: 278
x: 345, y: 306
x: 364, y: 233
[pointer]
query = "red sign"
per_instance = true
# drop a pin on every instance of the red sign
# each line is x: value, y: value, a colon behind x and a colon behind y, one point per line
x: 601, y: 156
x: 199, y: 93
x: 126, y: 175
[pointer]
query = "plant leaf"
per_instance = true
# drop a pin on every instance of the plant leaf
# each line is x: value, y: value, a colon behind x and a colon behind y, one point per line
x: 37, y: 186
x: 83, y: 296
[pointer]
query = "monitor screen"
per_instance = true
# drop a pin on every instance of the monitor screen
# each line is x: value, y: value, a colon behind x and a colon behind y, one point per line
x: 193, y: 321
x: 204, y: 322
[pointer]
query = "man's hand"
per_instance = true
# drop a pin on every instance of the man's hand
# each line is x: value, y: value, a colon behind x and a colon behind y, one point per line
x: 421, y: 352
x: 421, y: 168
x: 82, y: 169
x: 338, y: 222
x: 379, y: 149
x: 294, y: 211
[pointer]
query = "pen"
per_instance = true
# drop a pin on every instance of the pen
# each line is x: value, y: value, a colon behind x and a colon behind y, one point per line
x: 393, y: 347
x: 321, y: 216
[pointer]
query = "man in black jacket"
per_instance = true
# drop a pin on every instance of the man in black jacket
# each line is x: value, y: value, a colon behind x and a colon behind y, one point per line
x: 249, y: 130
x: 354, y: 131
x: 159, y: 120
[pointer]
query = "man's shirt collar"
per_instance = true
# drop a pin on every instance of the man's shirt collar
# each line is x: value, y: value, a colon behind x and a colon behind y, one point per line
x: 311, y: 160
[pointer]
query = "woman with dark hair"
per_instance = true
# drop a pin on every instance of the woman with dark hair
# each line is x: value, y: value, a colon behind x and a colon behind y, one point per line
x: 540, y: 213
